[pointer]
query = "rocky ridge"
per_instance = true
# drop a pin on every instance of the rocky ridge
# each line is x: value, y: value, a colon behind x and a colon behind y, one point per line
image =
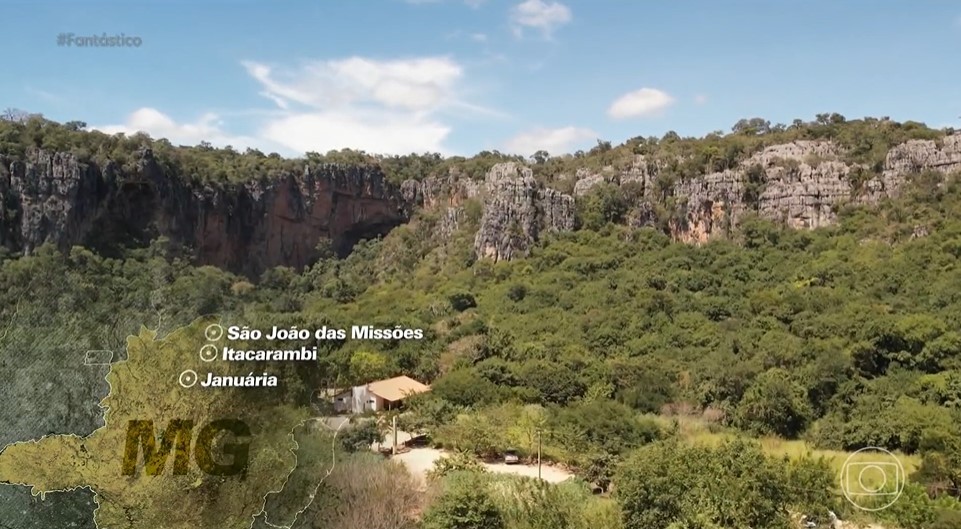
x: 798, y: 183
x: 250, y: 227
x: 54, y: 198
x: 517, y: 210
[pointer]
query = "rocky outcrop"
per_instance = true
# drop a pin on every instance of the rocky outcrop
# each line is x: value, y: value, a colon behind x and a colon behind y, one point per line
x: 800, y: 184
x: 517, y: 211
x: 246, y: 228
x: 262, y: 223
x: 917, y: 155
x: 265, y: 222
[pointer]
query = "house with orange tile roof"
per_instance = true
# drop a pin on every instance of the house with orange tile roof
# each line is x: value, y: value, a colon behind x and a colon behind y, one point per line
x: 380, y: 395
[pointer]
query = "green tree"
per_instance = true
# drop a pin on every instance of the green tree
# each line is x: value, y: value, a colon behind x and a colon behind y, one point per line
x: 940, y: 469
x: 459, y: 461
x: 464, y: 387
x: 368, y: 366
x: 732, y: 485
x: 774, y: 404
x: 465, y: 504
x: 604, y: 204
x: 359, y: 437
x: 554, y: 384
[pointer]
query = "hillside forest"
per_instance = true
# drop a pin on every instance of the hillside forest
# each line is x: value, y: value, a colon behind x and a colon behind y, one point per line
x: 689, y: 386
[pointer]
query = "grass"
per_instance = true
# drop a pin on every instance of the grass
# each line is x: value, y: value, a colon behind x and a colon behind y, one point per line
x: 697, y: 431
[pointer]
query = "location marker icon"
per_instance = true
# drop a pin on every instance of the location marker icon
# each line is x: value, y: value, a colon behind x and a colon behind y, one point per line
x: 208, y: 353
x: 188, y: 378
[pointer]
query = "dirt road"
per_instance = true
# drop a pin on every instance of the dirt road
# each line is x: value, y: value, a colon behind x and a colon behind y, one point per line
x: 421, y: 460
x: 549, y: 473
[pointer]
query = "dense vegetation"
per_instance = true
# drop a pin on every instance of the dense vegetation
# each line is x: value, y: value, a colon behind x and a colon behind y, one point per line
x: 601, y: 342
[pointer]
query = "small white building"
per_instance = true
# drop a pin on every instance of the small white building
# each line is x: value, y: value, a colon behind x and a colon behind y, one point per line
x: 378, y: 396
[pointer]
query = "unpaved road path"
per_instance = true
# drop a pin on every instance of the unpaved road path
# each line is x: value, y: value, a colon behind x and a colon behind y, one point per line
x: 549, y: 473
x: 421, y: 460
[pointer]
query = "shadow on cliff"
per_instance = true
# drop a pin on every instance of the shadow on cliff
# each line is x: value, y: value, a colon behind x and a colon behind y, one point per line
x: 244, y: 227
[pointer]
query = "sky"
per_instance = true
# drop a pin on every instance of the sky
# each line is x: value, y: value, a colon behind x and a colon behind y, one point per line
x: 462, y: 76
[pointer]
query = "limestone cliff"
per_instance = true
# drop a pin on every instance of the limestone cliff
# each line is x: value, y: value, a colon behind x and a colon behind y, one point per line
x: 516, y: 211
x: 247, y: 228
x: 799, y: 184
x: 266, y: 222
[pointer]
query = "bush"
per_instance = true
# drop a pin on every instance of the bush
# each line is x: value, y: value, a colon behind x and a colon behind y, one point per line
x: 774, y: 404
x: 465, y: 504
x: 464, y: 387
x: 462, y: 301
x: 914, y: 509
x: 362, y: 490
x: 606, y: 426
x: 459, y: 461
x: 359, y: 437
x: 732, y: 485
x: 516, y: 292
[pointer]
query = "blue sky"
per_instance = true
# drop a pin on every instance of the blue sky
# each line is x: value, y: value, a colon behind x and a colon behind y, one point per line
x: 460, y: 76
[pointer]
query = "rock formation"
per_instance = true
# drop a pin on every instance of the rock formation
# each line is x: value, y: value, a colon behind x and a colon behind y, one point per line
x: 246, y: 228
x: 516, y: 208
x: 266, y: 222
x: 799, y: 184
x: 263, y: 223
x: 516, y: 211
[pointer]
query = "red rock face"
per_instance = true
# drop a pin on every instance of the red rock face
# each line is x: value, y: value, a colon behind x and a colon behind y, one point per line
x: 245, y: 228
x: 282, y: 222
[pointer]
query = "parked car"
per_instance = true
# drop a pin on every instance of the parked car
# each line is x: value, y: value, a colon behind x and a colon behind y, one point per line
x: 511, y: 457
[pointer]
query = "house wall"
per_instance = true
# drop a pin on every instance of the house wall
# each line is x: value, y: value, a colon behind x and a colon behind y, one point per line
x: 359, y: 400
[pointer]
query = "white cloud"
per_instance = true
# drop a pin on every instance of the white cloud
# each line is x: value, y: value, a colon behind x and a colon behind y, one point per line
x: 279, y: 101
x: 159, y: 125
x: 479, y: 37
x: 388, y: 134
x: 540, y: 15
x: 554, y: 141
x: 379, y: 106
x: 413, y: 84
x: 391, y: 107
x: 640, y: 103
x: 700, y: 99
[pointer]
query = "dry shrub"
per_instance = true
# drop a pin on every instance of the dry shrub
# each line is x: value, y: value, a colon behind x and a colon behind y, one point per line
x: 242, y: 288
x: 714, y: 415
x: 677, y: 409
x: 366, y: 490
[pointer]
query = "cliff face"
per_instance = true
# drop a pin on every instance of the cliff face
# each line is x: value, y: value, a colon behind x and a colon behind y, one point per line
x: 247, y: 228
x: 798, y: 183
x: 517, y: 210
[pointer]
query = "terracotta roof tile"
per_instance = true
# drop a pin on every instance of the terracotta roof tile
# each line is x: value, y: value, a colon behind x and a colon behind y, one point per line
x: 396, y: 388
